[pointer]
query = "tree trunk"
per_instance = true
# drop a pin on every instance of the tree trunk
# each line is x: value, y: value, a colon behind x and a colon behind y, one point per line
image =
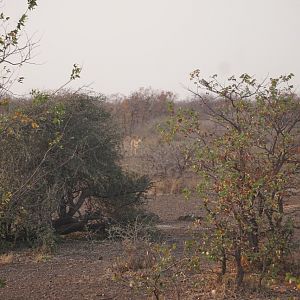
x: 74, y: 207
x: 239, y: 268
x: 68, y: 225
x: 223, y: 262
x: 253, y: 236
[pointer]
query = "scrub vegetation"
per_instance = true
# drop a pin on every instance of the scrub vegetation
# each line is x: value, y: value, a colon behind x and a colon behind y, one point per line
x: 147, y: 196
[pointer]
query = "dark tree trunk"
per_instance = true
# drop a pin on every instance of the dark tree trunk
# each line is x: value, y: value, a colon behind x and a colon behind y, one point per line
x: 253, y: 236
x: 68, y: 225
x: 224, y: 262
x: 62, y: 209
x: 239, y: 268
x: 74, y: 207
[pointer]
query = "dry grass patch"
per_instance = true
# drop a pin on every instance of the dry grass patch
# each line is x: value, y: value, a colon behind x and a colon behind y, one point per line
x: 6, y: 259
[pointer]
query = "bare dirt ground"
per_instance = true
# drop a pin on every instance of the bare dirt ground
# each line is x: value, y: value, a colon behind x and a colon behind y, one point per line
x: 81, y: 269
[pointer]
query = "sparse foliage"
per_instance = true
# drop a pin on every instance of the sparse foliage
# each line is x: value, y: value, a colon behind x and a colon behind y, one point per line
x: 248, y: 168
x: 15, y: 48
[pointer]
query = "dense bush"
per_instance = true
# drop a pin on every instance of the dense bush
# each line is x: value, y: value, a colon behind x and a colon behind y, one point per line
x: 248, y: 169
x: 59, y: 168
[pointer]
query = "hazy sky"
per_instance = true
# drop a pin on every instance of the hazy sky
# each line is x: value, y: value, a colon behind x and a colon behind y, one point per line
x: 126, y: 44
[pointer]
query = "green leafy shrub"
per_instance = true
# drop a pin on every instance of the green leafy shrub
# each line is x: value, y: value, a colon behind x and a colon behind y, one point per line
x: 248, y: 165
x: 60, y: 168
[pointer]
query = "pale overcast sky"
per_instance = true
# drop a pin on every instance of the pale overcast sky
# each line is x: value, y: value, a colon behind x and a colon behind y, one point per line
x: 126, y: 44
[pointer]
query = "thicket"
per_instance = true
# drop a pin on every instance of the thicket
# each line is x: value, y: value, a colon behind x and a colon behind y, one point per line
x: 59, y: 168
x: 60, y: 165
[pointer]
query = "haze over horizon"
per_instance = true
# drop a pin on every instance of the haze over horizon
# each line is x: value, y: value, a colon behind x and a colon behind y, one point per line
x: 125, y: 45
